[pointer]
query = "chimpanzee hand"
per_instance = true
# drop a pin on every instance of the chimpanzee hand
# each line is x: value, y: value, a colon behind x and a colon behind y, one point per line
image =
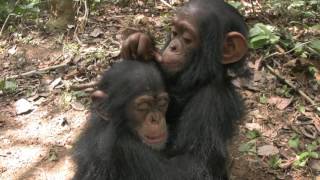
x: 139, y: 46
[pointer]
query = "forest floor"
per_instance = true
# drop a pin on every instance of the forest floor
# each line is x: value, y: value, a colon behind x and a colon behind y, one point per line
x: 42, y: 114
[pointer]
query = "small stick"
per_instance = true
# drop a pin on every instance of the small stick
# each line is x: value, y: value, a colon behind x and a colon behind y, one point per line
x: 291, y: 85
x: 84, y: 86
x: 167, y: 4
x: 119, y: 26
x: 39, y: 70
x: 5, y: 23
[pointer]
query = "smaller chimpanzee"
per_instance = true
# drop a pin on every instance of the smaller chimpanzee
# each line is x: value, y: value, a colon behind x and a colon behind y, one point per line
x: 127, y: 129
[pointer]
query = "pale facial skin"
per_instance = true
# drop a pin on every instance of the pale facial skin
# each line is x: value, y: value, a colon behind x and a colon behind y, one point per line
x: 148, y: 113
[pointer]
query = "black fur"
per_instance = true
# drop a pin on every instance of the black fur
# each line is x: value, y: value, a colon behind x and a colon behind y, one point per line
x: 109, y: 149
x: 204, y: 107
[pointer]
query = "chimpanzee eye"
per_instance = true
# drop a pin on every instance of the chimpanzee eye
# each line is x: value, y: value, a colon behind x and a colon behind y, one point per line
x: 174, y: 33
x: 143, y: 107
x: 163, y: 103
x: 187, y: 40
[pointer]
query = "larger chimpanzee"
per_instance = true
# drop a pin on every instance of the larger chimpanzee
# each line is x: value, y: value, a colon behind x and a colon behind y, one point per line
x: 208, y: 41
x: 127, y: 130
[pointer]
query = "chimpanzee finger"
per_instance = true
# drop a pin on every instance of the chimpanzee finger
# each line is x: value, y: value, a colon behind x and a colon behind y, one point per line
x: 125, y: 50
x: 133, y: 40
x: 157, y: 55
x: 144, y: 49
x: 98, y: 95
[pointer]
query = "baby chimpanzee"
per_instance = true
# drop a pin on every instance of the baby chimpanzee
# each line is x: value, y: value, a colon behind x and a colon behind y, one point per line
x: 127, y: 129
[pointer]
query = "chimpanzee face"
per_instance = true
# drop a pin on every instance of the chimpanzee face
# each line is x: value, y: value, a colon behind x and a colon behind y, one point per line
x: 147, y: 113
x: 184, y: 40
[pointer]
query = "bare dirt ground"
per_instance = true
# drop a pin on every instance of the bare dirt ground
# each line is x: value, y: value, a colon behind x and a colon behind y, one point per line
x: 37, y: 144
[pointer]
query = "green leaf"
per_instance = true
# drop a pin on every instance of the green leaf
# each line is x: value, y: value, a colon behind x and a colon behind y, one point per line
x: 261, y: 35
x: 237, y: 5
x: 314, y: 2
x: 315, y: 44
x: 314, y: 155
x: 79, y: 94
x: 312, y: 70
x: 2, y: 84
x: 302, y: 159
x: 313, y: 146
x: 274, y: 39
x: 10, y: 86
x: 296, y: 4
x: 263, y: 99
x: 259, y: 41
x: 274, y: 161
x: 298, y: 48
x: 302, y: 109
x: 248, y: 147
x: 253, y: 134
x: 294, y: 142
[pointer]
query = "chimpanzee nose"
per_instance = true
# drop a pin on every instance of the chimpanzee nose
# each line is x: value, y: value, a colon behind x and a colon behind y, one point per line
x: 173, y: 47
x: 155, y: 117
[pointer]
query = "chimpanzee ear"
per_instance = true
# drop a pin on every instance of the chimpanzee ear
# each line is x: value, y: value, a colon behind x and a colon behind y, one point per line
x: 98, y: 95
x: 234, y: 47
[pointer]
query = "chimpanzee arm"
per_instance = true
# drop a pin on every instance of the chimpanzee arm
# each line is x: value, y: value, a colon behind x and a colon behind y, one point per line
x: 137, y: 161
x: 93, y: 150
x: 207, y: 123
x: 139, y: 46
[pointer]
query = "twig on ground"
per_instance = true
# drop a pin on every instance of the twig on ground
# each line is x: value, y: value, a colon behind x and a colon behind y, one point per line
x: 252, y: 7
x: 5, y: 23
x: 11, y: 14
x: 37, y: 71
x: 167, y: 4
x: 86, y: 12
x: 84, y: 86
x: 119, y: 26
x: 304, y: 95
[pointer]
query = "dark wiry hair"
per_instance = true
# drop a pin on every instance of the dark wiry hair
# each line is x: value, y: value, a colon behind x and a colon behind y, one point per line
x: 124, y: 81
x: 215, y: 19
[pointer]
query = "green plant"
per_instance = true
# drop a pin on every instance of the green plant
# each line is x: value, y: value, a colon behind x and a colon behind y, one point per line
x: 236, y: 4
x: 274, y: 161
x: 263, y: 99
x: 253, y: 134
x: 249, y: 147
x: 303, y: 158
x: 284, y: 91
x: 8, y: 86
x: 294, y: 141
x: 261, y: 35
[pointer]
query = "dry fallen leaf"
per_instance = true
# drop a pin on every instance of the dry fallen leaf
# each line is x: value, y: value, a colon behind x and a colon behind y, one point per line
x: 96, y: 32
x: 253, y: 126
x: 23, y: 106
x: 267, y: 150
x: 77, y: 106
x: 281, y: 103
x: 317, y: 76
x: 316, y: 122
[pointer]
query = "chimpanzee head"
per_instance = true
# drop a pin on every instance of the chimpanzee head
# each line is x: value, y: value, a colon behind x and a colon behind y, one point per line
x: 132, y: 95
x: 207, y: 36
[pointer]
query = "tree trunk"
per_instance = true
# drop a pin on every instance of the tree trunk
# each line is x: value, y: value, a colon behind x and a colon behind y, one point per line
x: 62, y: 14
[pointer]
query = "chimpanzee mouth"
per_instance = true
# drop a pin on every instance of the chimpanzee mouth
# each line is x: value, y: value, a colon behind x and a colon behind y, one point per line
x: 157, y: 139
x: 171, y: 68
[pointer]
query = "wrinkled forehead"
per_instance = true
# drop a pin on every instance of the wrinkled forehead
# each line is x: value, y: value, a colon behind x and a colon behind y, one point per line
x: 189, y: 10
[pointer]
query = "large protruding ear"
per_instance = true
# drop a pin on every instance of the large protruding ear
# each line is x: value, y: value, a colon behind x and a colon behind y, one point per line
x: 234, y: 47
x: 98, y: 95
